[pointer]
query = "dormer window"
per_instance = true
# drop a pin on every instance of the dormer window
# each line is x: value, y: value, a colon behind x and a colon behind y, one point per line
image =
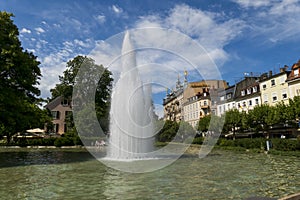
x: 228, y: 96
x: 65, y: 102
x: 296, y: 72
x: 254, y: 89
x: 249, y: 91
x: 243, y: 92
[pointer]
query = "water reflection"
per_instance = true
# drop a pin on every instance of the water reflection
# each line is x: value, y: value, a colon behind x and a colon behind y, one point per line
x: 222, y: 175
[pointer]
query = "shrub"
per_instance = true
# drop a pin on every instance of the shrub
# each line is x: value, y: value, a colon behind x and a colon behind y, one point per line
x: 63, y: 141
x: 198, y: 140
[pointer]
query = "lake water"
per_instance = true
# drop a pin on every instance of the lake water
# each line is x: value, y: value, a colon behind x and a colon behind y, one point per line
x: 75, y: 174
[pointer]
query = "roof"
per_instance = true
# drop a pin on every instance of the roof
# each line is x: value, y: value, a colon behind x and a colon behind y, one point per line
x: 55, y: 102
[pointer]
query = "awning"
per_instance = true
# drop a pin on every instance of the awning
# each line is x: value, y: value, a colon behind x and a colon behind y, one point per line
x: 35, y: 130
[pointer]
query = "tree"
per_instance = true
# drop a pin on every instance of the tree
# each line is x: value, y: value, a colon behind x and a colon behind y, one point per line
x: 168, y: 130
x: 19, y: 75
x: 233, y: 120
x: 203, y: 123
x: 263, y: 117
x: 95, y: 85
x: 294, y: 107
x: 185, y: 131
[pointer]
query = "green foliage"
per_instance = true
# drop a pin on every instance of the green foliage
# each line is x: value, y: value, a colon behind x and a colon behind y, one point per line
x: 233, y: 120
x: 260, y: 143
x: 185, y: 131
x: 167, y: 132
x: 63, y: 141
x: 19, y: 75
x: 93, y: 84
x: 198, y: 140
x: 285, y: 144
x: 203, y: 123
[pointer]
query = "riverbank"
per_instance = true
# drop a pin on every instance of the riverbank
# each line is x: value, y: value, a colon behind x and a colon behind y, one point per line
x: 193, y: 149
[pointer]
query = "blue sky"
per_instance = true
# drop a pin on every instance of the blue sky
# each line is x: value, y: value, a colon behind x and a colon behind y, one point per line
x: 238, y: 35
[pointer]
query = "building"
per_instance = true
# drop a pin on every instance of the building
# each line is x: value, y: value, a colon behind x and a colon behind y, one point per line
x: 249, y: 97
x: 244, y: 95
x: 60, y: 109
x: 173, y: 102
x: 200, y: 99
x: 196, y: 107
x: 293, y: 80
x: 274, y: 88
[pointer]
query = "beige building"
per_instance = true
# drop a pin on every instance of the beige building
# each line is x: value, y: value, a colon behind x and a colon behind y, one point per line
x: 274, y: 88
x: 59, y: 108
x: 173, y: 103
x: 196, y: 107
x: 200, y: 99
x: 293, y: 80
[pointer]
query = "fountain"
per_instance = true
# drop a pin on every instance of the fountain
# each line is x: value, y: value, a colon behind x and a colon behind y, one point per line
x: 131, y: 128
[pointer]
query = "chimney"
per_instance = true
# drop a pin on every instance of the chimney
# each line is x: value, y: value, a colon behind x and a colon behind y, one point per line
x: 282, y: 70
x: 270, y: 73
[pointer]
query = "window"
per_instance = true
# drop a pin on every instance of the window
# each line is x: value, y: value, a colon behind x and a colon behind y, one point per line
x: 296, y: 72
x: 233, y: 105
x: 264, y: 86
x: 205, y: 103
x: 256, y: 101
x: 249, y: 91
x: 55, y: 114
x: 228, y: 96
x: 244, y: 104
x: 273, y: 82
x: 222, y: 98
x: 65, y: 128
x: 65, y: 102
x: 250, y: 103
x: 265, y: 98
x: 254, y: 89
x: 243, y: 92
x: 282, y: 80
x: 67, y: 113
x: 239, y: 105
x: 274, y: 97
x: 284, y: 94
x: 298, y: 92
x: 56, y: 128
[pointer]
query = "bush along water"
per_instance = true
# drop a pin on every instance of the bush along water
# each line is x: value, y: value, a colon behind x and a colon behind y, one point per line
x: 260, y: 143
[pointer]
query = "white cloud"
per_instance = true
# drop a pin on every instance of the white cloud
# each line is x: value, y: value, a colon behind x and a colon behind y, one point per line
x: 24, y: 30
x: 54, y: 64
x: 85, y: 44
x: 275, y: 21
x: 253, y: 3
x: 31, y: 50
x: 164, y: 53
x: 100, y: 19
x: 39, y: 30
x: 117, y: 9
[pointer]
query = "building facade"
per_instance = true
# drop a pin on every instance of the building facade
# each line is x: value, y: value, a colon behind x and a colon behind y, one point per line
x: 293, y: 80
x: 274, y: 88
x: 60, y: 108
x: 196, y: 107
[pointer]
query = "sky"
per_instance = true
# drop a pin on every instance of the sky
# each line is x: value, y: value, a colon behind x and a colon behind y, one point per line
x: 234, y: 37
